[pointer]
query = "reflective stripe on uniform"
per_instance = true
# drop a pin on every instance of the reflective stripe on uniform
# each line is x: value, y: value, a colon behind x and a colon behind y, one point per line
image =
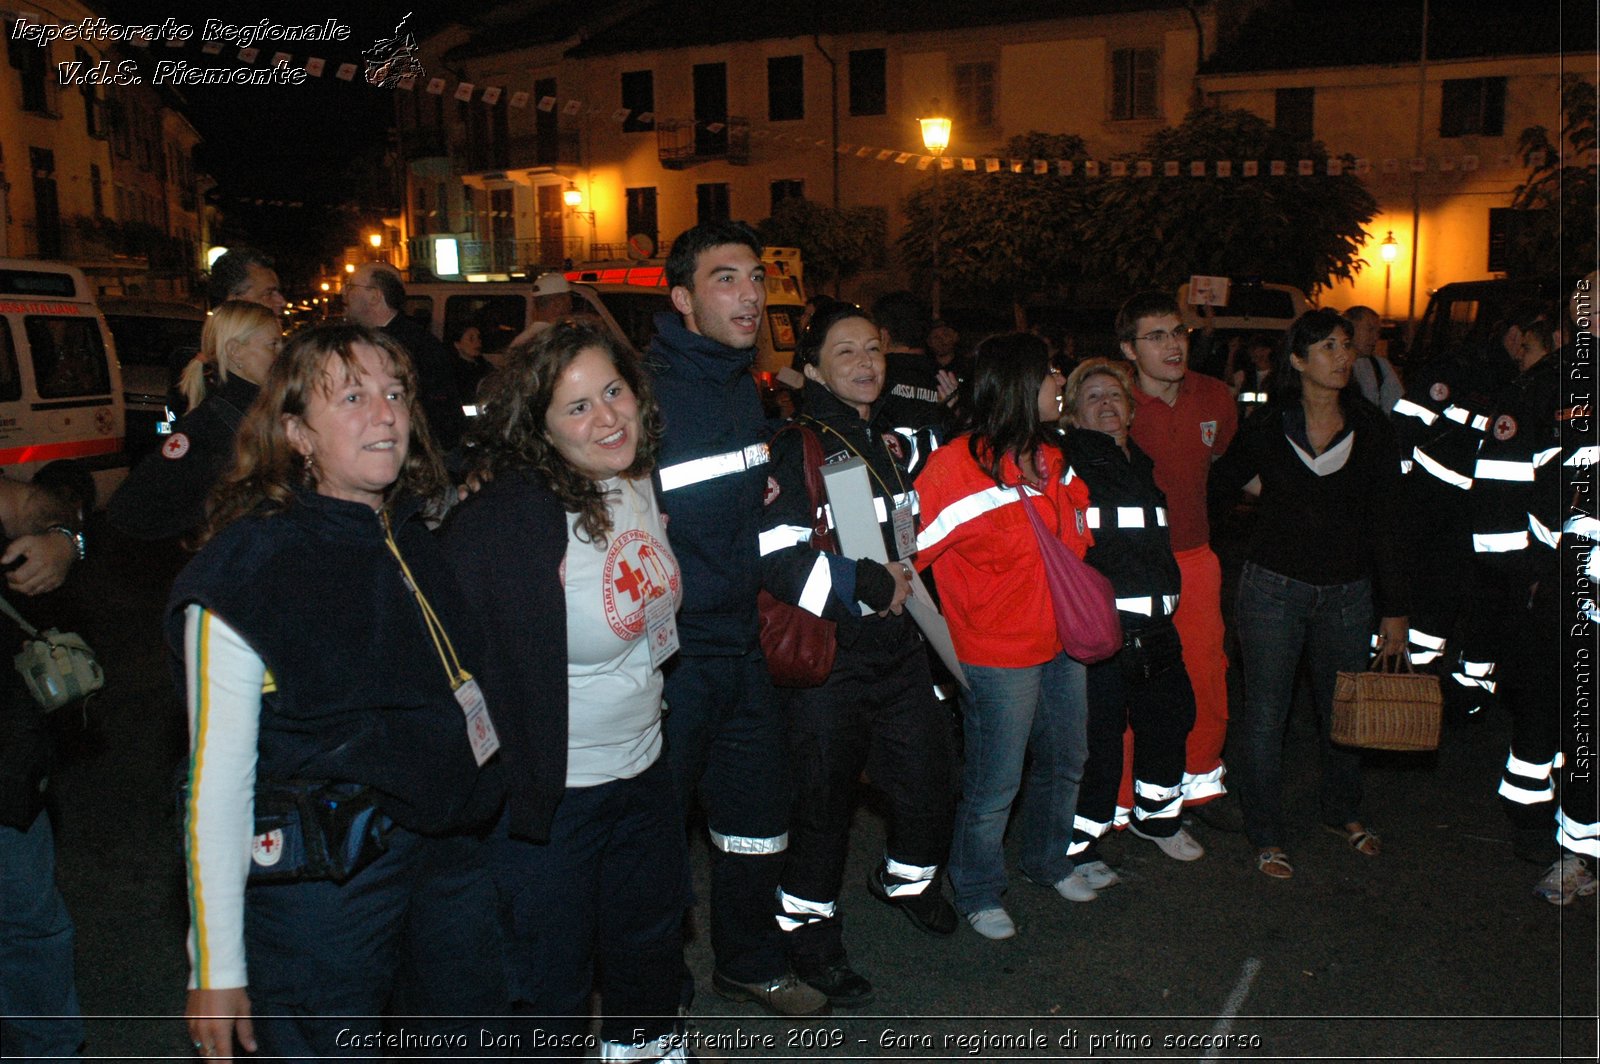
x: 1582, y: 527
x: 1543, y: 534
x: 1523, y: 796
x: 1252, y: 397
x: 1499, y: 469
x: 906, y: 880
x: 1577, y: 836
x: 1475, y: 674
x: 665, y: 1047
x: 1443, y: 472
x: 814, y: 596
x: 1406, y: 408
x: 1153, y: 802
x: 783, y: 536
x: 699, y: 470
x: 1203, y: 785
x: 748, y: 845
x: 1145, y: 605
x: 1499, y: 542
x: 880, y: 508
x: 963, y: 510
x: 1533, y: 770
x: 795, y: 912
x: 1584, y: 456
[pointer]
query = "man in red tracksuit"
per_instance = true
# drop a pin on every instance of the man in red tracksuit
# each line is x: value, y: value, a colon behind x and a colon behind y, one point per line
x: 1183, y: 421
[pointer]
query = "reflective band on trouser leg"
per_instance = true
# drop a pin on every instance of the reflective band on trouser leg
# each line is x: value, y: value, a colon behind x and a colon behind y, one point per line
x: 741, y: 844
x: 796, y: 913
x: 902, y: 880
x: 1527, y: 783
x: 1084, y: 832
x: 1499, y: 542
x: 655, y: 1049
x: 1500, y: 469
x: 1120, y: 820
x: 1203, y: 785
x: 814, y: 596
x: 1543, y: 534
x: 1423, y: 648
x: 1156, y: 803
x: 1584, y: 456
x: 1475, y: 674
x: 1576, y: 836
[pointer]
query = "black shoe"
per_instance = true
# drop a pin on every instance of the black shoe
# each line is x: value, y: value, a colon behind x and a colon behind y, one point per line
x: 1535, y: 845
x: 844, y: 986
x: 927, y: 910
x: 1219, y: 814
x: 784, y: 996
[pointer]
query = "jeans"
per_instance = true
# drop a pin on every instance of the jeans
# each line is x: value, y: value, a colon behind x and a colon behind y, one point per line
x: 1278, y: 619
x: 1006, y: 713
x: 38, y: 1002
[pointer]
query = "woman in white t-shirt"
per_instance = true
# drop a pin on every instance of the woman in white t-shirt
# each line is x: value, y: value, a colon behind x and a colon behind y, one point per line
x: 564, y: 555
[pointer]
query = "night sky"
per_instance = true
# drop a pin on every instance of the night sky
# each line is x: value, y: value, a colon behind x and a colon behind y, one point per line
x: 320, y: 143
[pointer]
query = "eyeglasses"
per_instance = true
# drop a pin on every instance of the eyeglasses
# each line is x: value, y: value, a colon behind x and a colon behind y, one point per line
x: 1161, y: 336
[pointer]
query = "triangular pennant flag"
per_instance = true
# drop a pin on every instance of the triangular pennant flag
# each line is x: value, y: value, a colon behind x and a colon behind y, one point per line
x: 436, y: 86
x: 991, y: 166
x: 346, y: 72
x: 463, y: 91
x: 519, y: 99
x: 1252, y: 167
x: 547, y: 104
x: 1041, y: 166
x: 1279, y: 168
x: 247, y: 56
x: 572, y: 107
x: 885, y: 155
x: 620, y: 115
x: 968, y: 165
x: 1305, y: 168
x: 864, y: 151
x: 843, y: 149
x: 1119, y: 168
x: 1197, y: 168
x: 280, y: 59
x: 1016, y: 166
x: 924, y: 161
x: 1146, y: 168
x: 212, y: 48
x: 491, y: 95
x: 1224, y: 167
x: 1091, y: 168
x: 1064, y: 167
x: 315, y: 66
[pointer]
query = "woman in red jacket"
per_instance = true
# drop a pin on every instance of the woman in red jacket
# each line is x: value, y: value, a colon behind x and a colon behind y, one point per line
x: 1023, y: 691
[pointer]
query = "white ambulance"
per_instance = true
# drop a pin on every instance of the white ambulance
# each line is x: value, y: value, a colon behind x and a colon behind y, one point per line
x: 61, y: 395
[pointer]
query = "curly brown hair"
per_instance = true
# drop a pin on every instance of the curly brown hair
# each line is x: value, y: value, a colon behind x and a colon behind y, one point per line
x: 510, y: 431
x: 266, y: 469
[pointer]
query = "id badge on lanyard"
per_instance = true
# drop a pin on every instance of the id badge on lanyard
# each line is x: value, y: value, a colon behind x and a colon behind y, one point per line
x: 480, y: 729
x: 661, y: 628
x: 905, y: 531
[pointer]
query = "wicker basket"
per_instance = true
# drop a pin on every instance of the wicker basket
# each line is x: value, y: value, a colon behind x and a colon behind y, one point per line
x: 1384, y: 710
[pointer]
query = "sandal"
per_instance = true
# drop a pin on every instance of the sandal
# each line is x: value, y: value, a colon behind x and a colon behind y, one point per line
x: 1274, y: 863
x: 1364, y: 842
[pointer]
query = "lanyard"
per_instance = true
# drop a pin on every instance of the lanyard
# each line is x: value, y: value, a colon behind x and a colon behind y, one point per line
x: 441, y: 639
x: 852, y: 449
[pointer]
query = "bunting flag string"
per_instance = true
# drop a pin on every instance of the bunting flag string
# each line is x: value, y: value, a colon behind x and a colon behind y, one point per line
x: 467, y: 92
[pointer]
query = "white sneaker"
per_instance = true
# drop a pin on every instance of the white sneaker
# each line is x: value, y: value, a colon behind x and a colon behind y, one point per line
x: 1075, y: 887
x: 1567, y: 879
x: 992, y: 923
x: 1180, y: 846
x: 1098, y: 875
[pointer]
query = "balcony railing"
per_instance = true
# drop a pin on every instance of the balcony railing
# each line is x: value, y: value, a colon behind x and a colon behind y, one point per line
x: 528, y: 255
x: 681, y: 144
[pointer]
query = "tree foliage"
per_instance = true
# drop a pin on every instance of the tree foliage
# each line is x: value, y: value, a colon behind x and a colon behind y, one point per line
x: 1302, y: 230
x: 835, y: 245
x: 1561, y: 187
x: 1002, y: 235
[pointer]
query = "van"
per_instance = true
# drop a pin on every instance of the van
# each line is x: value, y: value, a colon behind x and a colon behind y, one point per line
x: 155, y: 339
x: 1460, y: 315
x: 501, y: 310
x: 61, y: 393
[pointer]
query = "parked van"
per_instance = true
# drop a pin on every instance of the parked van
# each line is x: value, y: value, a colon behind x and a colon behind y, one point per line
x: 501, y: 310
x: 61, y: 397
x: 1461, y: 314
x: 155, y: 339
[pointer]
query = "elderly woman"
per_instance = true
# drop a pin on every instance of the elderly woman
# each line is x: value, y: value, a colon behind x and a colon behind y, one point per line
x: 1024, y: 693
x: 876, y: 710
x: 1144, y: 687
x: 336, y: 791
x: 563, y: 554
x: 1325, y: 556
x: 165, y: 495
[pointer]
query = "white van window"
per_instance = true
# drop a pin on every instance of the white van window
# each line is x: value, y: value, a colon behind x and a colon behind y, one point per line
x: 498, y: 318
x: 10, y: 382
x: 68, y: 357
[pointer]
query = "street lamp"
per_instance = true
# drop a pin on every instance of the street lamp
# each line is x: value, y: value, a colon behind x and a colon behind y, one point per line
x: 376, y: 240
x: 574, y: 200
x: 936, y: 138
x: 1389, y: 250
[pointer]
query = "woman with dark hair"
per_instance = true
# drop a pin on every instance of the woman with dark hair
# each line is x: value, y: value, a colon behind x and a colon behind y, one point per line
x: 337, y: 793
x: 876, y: 710
x: 1023, y: 692
x: 591, y: 860
x: 1144, y: 687
x: 1325, y: 554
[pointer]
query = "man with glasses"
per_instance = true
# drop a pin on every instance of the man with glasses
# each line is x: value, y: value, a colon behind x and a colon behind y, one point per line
x: 1184, y: 421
